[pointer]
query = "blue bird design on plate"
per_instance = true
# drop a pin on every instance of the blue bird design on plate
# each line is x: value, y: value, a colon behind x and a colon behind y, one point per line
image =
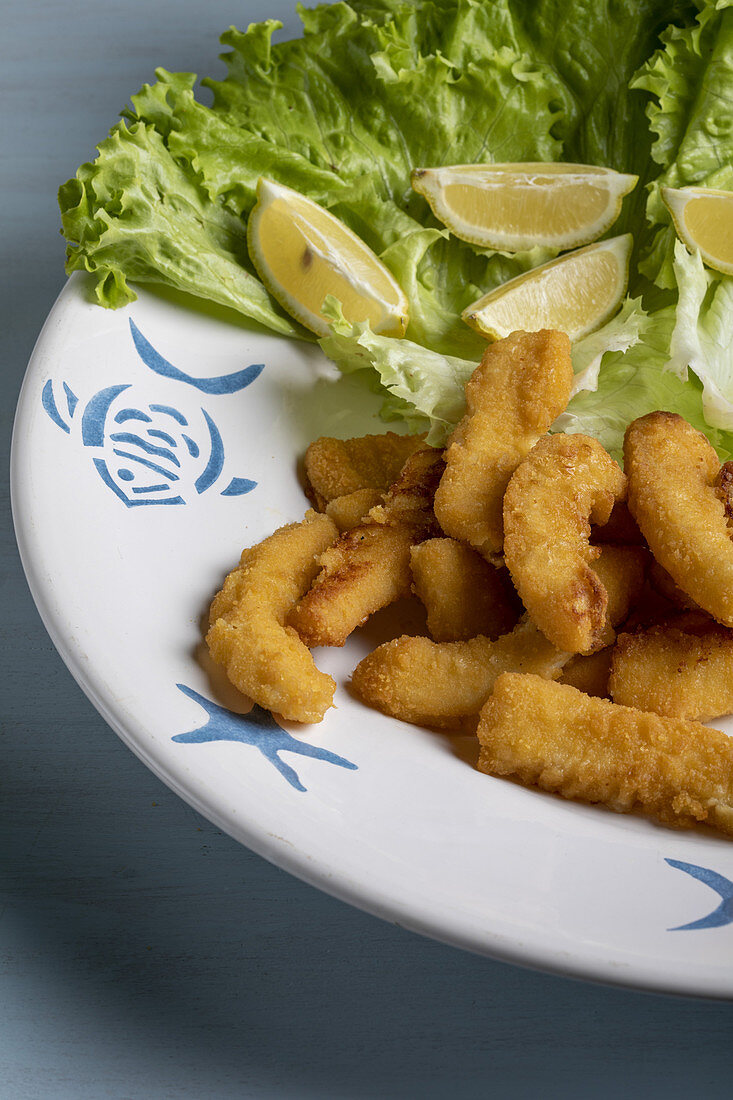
x: 723, y: 913
x: 151, y: 453
x: 259, y: 729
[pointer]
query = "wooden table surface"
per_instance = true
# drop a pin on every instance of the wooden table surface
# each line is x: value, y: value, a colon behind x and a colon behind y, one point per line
x: 144, y: 954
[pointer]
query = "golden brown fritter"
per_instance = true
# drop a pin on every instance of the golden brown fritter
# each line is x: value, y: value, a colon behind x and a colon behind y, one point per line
x: 675, y: 497
x: 675, y: 672
x: 264, y: 658
x: 557, y: 738
x: 518, y: 389
x: 589, y: 673
x: 336, y: 467
x: 349, y: 510
x: 621, y: 529
x: 369, y: 566
x: 563, y: 485
x: 622, y: 572
x: 665, y: 586
x: 443, y: 684
x: 463, y: 594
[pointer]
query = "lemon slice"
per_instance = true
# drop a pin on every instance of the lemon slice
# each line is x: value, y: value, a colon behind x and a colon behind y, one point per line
x: 516, y: 206
x: 703, y: 219
x: 303, y: 253
x: 575, y: 293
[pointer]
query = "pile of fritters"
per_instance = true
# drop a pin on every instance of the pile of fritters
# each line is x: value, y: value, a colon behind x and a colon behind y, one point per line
x: 529, y: 551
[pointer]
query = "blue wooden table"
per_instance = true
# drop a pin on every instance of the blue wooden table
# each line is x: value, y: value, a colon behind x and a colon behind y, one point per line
x: 143, y: 954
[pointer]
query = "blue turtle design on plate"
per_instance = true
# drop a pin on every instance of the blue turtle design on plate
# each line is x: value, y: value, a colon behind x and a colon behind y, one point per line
x: 151, y: 453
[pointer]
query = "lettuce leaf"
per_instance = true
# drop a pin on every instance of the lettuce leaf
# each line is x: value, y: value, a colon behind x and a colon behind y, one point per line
x: 425, y: 389
x: 634, y: 383
x: 134, y: 214
x: 691, y: 80
x: 702, y: 334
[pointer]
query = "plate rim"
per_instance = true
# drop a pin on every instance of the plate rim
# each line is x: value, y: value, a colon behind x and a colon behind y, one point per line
x: 517, y: 951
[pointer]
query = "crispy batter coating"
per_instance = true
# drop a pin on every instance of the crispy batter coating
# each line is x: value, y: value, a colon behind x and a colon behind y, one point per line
x: 349, y: 510
x: 369, y: 566
x: 621, y: 529
x: 336, y: 467
x: 520, y: 386
x: 264, y: 658
x: 463, y: 594
x: 665, y: 586
x: 622, y: 572
x: 675, y: 672
x: 443, y: 684
x: 557, y: 738
x: 724, y: 488
x: 589, y: 673
x: 565, y: 483
x: 675, y: 497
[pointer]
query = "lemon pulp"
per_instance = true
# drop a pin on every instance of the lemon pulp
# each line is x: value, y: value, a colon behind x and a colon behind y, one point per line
x: 303, y: 253
x: 703, y: 218
x: 576, y: 293
x: 517, y: 206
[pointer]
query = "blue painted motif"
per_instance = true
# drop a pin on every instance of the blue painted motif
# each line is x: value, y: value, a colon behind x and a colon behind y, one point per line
x: 237, y: 486
x: 131, y: 414
x: 225, y: 383
x: 49, y: 403
x: 259, y: 729
x: 179, y: 457
x: 95, y: 414
x: 216, y: 457
x: 71, y: 400
x: 723, y: 913
x: 170, y: 411
x: 144, y: 445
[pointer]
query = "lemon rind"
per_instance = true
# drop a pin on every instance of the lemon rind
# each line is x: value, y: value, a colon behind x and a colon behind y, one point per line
x: 625, y: 183
x: 396, y: 315
x: 676, y: 199
x: 620, y: 247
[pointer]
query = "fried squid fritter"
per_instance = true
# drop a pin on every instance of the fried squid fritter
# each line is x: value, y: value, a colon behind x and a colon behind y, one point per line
x: 462, y: 593
x: 518, y: 389
x: 442, y: 684
x: 349, y: 510
x: 263, y: 657
x: 677, y: 496
x: 565, y: 483
x: 337, y: 467
x: 589, y: 673
x: 675, y: 672
x: 555, y: 737
x: 369, y: 566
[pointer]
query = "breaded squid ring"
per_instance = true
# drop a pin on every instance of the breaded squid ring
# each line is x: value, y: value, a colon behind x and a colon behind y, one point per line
x: 338, y: 467
x: 265, y: 659
x: 463, y: 594
x: 677, y: 496
x: 563, y: 485
x: 518, y: 389
x: 369, y: 566
x: 674, y: 671
x: 555, y: 737
x: 442, y: 684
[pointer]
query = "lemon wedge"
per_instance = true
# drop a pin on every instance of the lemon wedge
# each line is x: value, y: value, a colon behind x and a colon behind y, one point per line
x: 576, y: 293
x: 516, y: 206
x: 303, y: 253
x: 703, y: 219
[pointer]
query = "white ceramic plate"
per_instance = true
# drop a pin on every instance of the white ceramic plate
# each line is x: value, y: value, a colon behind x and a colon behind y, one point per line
x: 137, y: 441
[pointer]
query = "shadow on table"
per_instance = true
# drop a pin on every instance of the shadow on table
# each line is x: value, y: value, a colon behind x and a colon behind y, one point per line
x: 183, y: 965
